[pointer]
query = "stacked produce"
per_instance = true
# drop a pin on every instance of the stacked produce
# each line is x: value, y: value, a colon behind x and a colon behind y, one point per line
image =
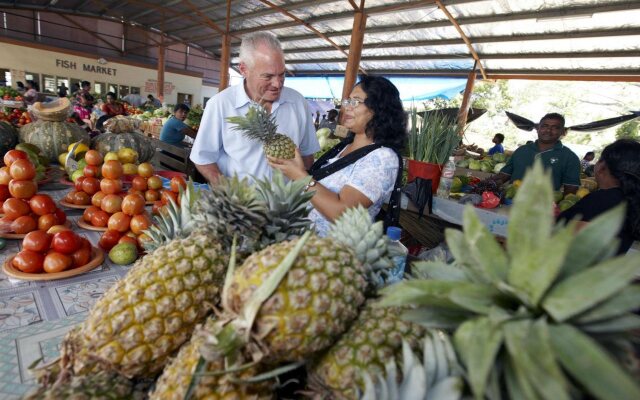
x: 24, y: 210
x: 54, y: 250
x: 18, y: 117
x: 122, y: 132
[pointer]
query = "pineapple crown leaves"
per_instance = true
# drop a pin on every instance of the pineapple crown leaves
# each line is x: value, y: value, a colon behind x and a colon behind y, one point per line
x: 367, y: 239
x: 437, y: 377
x: 257, y: 124
x: 174, y: 221
x: 288, y: 206
x: 551, y: 286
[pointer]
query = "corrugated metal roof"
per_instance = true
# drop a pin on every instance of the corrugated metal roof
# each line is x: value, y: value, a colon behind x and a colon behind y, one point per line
x: 512, y: 38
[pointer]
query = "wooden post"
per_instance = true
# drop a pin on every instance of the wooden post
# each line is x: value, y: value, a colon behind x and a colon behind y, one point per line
x: 224, y: 62
x: 160, y: 88
x: 355, y: 51
x: 466, y: 97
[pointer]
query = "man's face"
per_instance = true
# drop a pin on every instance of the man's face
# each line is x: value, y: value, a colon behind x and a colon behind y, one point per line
x: 550, y: 130
x: 265, y: 79
x: 181, y: 114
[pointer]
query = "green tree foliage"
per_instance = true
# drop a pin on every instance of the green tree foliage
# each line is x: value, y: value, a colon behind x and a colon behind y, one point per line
x: 628, y: 130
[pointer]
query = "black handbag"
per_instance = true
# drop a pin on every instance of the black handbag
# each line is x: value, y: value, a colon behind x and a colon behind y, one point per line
x: 392, y: 215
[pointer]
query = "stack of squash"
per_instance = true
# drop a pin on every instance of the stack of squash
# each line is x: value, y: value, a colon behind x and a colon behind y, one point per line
x: 51, y: 132
x: 122, y: 132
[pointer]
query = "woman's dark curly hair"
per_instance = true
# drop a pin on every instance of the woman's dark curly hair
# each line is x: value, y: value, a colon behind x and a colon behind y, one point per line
x: 388, y: 126
x: 622, y: 157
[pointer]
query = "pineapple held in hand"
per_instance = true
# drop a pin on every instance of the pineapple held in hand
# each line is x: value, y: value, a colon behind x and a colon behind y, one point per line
x: 258, y: 124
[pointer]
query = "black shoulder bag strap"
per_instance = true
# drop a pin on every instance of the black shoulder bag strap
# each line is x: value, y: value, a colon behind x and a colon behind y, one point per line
x: 393, y: 211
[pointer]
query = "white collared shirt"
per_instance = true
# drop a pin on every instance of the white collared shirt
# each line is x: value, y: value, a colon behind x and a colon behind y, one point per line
x: 217, y: 141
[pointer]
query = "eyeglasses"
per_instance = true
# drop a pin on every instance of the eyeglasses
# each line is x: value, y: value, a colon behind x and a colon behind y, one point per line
x: 351, y: 102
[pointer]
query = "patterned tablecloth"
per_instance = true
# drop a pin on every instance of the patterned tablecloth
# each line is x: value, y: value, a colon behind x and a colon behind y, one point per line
x: 35, y: 315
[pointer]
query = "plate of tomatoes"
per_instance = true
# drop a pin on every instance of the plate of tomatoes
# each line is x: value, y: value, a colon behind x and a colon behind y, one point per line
x: 84, y: 225
x: 48, y: 255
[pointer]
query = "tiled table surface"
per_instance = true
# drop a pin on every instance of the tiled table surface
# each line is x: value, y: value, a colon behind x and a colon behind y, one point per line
x: 35, y: 315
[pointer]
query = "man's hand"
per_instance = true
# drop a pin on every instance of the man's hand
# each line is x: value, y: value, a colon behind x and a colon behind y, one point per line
x: 211, y: 172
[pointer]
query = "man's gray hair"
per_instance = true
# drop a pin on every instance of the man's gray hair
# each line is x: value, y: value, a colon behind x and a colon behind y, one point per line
x: 252, y: 41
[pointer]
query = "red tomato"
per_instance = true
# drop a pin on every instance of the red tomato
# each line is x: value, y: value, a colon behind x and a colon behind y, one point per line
x: 112, y: 169
x: 90, y: 185
x: 14, y: 208
x: 78, y: 182
x: 155, y: 208
x: 100, y: 219
x: 4, y: 193
x: 81, y: 257
x: 28, y: 261
x: 47, y: 221
x: 135, y: 191
x: 88, y: 213
x: 176, y: 183
x: 151, y: 195
x: 91, y: 171
x: 96, y: 199
x: 154, y: 182
x: 111, y: 186
x: 56, y: 262
x: 93, y: 157
x: 139, y: 183
x: 109, y: 239
x: 57, y: 228
x: 24, y: 224
x: 133, y: 204
x: 65, y: 242
x: 5, y: 176
x: 37, y: 241
x: 22, y: 189
x: 119, y: 222
x: 111, y: 203
x: 139, y: 223
x: 128, y: 239
x: 80, y: 198
x: 22, y: 170
x: 165, y: 195
x: 13, y: 155
x: 60, y: 216
x: 42, y: 204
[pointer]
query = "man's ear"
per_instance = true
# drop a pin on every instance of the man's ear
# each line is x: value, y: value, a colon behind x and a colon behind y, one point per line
x: 243, y: 69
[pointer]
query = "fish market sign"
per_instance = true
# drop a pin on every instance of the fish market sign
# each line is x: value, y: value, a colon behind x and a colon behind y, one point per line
x: 96, y: 69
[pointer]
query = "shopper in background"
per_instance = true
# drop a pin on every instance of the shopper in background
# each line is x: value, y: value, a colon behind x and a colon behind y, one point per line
x: 618, y: 175
x: 331, y: 121
x: 152, y: 102
x: 362, y: 169
x: 498, y: 138
x: 82, y: 112
x: 174, y: 130
x: 585, y: 163
x: 21, y: 89
x: 110, y: 109
x: 219, y: 149
x: 564, y: 164
x: 31, y: 95
x: 62, y: 90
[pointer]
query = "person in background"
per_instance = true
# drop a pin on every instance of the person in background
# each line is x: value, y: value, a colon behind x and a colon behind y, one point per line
x: 617, y: 173
x: 564, y: 164
x: 375, y: 118
x: 31, y: 95
x: 316, y: 122
x: 220, y: 150
x: 20, y: 88
x: 63, y: 90
x: 498, y: 138
x: 331, y: 121
x: 110, y: 109
x: 585, y: 163
x: 85, y: 87
x: 174, y: 130
x: 82, y: 112
x: 152, y: 102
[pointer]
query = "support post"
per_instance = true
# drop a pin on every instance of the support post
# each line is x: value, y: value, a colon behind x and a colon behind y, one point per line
x: 355, y: 51
x: 224, y: 62
x: 466, y: 97
x: 160, y: 88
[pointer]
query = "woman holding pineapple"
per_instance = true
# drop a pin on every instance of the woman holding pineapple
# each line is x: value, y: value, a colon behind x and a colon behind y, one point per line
x: 363, y: 168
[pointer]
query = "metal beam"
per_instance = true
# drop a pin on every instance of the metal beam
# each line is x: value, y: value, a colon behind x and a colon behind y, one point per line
x: 145, y: 12
x: 203, y: 9
x: 206, y: 19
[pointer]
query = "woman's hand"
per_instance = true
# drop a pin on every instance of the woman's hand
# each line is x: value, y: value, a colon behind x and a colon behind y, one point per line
x: 292, y: 169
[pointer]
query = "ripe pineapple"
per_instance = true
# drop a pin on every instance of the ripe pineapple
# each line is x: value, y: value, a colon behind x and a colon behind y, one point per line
x: 540, y: 320
x: 176, y: 379
x: 295, y: 298
x: 259, y: 124
x: 371, y: 341
x: 152, y: 311
x: 438, y: 377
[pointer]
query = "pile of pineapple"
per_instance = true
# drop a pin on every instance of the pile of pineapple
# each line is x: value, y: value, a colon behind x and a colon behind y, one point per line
x: 237, y: 290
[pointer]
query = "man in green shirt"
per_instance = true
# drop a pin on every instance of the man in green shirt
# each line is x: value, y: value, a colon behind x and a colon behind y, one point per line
x: 564, y: 164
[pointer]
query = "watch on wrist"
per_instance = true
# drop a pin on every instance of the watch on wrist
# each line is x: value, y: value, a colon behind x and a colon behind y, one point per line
x: 309, y: 185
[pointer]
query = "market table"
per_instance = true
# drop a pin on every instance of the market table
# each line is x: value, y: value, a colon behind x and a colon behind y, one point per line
x: 35, y: 315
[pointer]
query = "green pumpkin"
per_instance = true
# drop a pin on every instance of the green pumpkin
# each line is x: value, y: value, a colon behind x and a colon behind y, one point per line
x: 107, y: 142
x: 53, y: 137
x: 8, y: 137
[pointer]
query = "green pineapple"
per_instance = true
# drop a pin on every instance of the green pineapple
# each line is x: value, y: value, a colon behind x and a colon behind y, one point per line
x: 544, y: 319
x: 259, y: 124
x: 438, y: 377
x: 293, y: 299
x: 371, y: 341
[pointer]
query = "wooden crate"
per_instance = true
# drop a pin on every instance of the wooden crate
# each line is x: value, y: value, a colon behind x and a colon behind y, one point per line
x: 173, y: 158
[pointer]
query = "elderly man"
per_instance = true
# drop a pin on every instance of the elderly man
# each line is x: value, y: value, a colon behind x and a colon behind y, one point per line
x: 564, y: 164
x: 219, y: 149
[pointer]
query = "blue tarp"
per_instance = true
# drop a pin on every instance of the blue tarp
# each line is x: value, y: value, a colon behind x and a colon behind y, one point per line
x: 410, y: 88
